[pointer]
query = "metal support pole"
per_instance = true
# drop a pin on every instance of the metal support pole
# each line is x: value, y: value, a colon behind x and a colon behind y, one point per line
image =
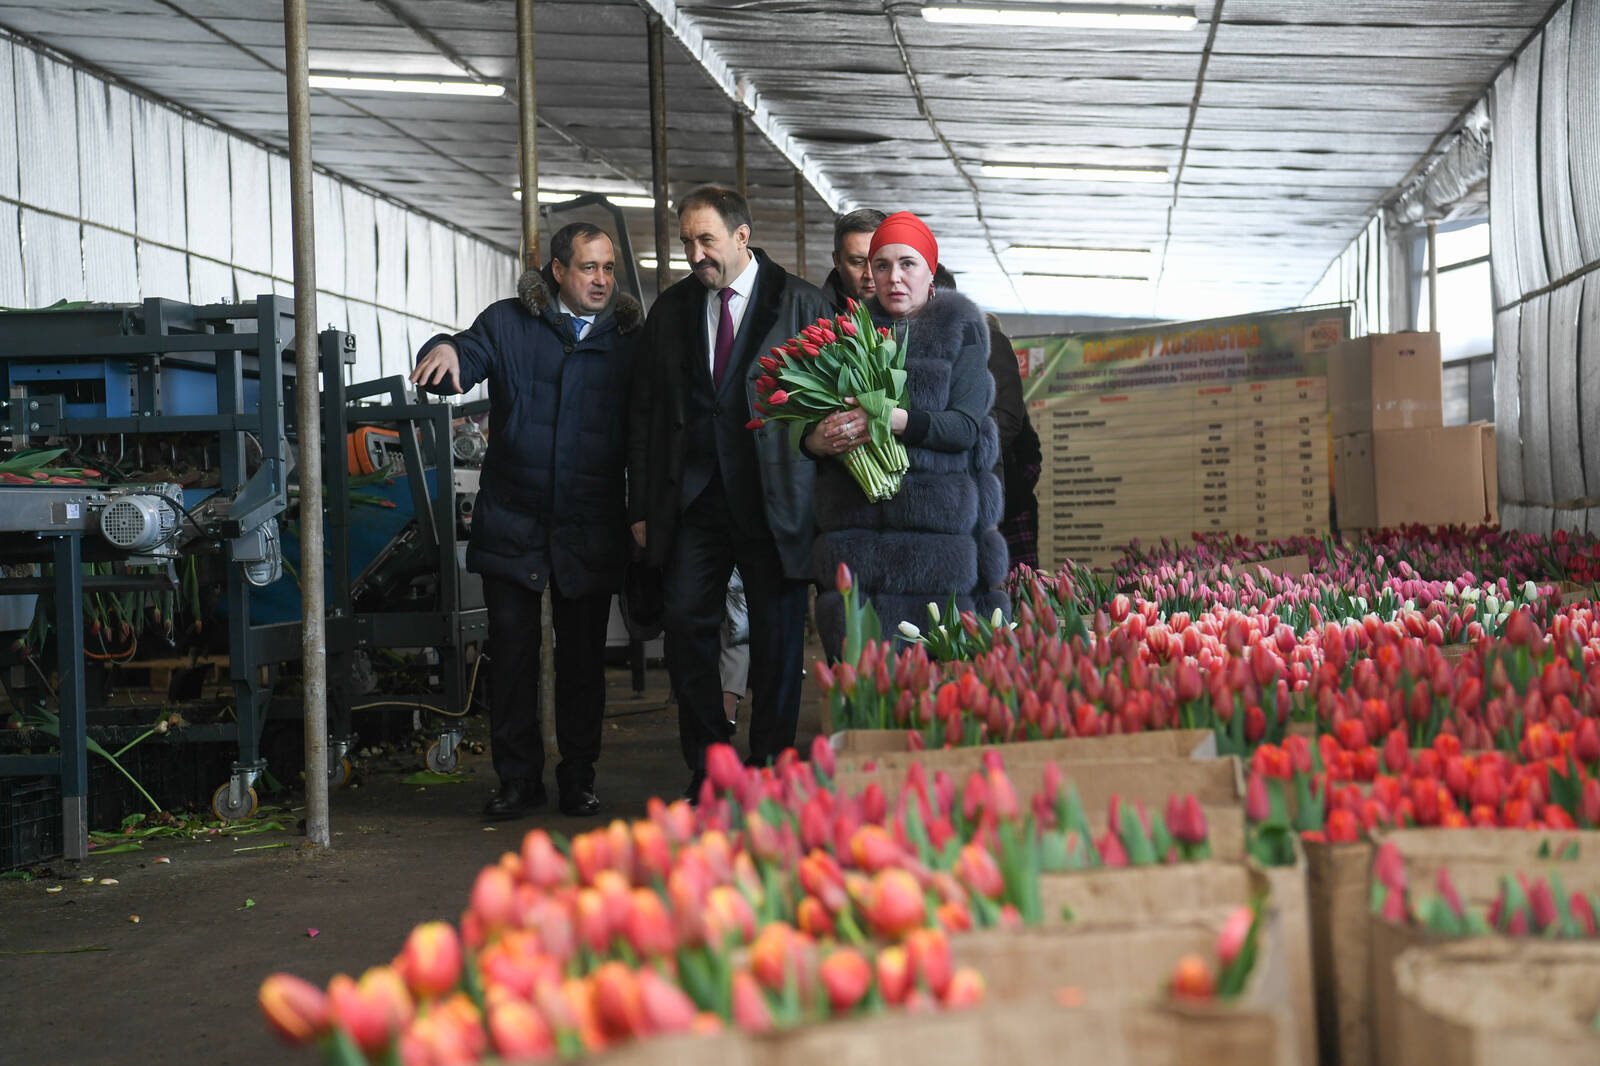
x: 799, y: 225
x: 313, y: 641
x: 658, y: 150
x: 72, y: 722
x: 1433, y: 277
x: 528, y: 118
x: 740, y: 181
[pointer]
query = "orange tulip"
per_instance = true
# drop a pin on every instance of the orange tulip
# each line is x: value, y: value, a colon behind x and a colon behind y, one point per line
x: 812, y: 918
x: 372, y: 1011
x: 1192, y: 979
x: 519, y: 1031
x: 431, y: 959
x: 966, y: 989
x: 895, y: 904
x: 929, y: 950
x: 894, y: 974
x: 846, y: 976
x: 649, y: 926
x: 873, y: 849
x: 591, y: 853
x: 653, y: 855
x: 619, y: 842
x: 728, y: 915
x: 594, y: 932
x: 616, y: 893
x: 296, y: 1010
x: 618, y: 1002
x: 779, y: 953
x: 821, y: 876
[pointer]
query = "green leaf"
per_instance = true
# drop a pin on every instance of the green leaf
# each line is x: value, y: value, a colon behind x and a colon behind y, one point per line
x: 117, y: 849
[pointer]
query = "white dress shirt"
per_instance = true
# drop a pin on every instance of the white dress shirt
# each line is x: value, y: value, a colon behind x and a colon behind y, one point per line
x: 742, y: 286
x: 586, y: 322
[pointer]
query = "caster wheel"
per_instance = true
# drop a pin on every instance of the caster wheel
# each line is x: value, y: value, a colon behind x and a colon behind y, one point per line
x: 439, y: 762
x: 222, y: 805
x: 339, y: 773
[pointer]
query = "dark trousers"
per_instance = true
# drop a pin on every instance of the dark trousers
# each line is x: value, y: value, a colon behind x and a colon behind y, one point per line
x: 707, y: 547
x: 517, y: 744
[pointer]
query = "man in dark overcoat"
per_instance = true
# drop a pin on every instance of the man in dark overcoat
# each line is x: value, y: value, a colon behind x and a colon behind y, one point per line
x: 551, y: 510
x: 707, y: 493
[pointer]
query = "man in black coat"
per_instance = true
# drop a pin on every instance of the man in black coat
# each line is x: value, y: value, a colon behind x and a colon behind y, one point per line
x: 705, y: 492
x: 551, y: 510
x: 851, y: 277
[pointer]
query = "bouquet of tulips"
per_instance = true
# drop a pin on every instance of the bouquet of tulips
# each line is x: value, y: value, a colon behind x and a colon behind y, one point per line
x: 836, y: 363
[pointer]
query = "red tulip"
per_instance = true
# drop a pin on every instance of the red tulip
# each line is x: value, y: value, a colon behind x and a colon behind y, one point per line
x: 667, y: 1009
x: 430, y: 962
x: 842, y: 579
x: 873, y: 849
x: 1257, y: 804
x: 895, y: 904
x: 494, y: 896
x: 295, y: 1009
x: 845, y: 976
x: 929, y: 952
x: 542, y: 864
x: 1352, y: 734
x: 723, y: 768
x: 1586, y: 742
x: 822, y: 755
x: 1342, y: 827
x: 371, y: 1012
x: 978, y: 870
x: 1589, y: 805
x: 751, y: 1012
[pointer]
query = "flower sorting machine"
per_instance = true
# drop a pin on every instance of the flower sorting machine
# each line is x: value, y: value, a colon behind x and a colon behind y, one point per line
x: 148, y: 473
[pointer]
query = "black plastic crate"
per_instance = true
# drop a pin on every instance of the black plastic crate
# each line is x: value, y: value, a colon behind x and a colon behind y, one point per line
x: 30, y: 821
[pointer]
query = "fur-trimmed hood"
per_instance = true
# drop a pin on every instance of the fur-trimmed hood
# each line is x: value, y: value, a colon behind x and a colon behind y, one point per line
x: 945, y: 324
x: 536, y: 286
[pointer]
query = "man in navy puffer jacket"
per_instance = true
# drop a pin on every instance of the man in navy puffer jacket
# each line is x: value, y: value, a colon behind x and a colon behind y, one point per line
x: 551, y: 510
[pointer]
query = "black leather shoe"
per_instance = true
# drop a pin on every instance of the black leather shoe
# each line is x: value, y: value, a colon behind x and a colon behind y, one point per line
x: 580, y: 803
x: 515, y: 799
x: 692, y: 792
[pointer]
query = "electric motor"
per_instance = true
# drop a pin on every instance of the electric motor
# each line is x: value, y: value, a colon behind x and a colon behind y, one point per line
x: 139, y: 522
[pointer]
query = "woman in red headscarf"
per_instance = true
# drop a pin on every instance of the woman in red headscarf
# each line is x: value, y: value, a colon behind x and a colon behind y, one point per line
x: 936, y: 538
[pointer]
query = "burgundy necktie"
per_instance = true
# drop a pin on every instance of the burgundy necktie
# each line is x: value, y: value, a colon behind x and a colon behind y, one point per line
x: 724, y: 348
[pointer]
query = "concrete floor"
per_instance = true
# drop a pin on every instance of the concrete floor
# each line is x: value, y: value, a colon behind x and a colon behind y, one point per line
x: 82, y: 984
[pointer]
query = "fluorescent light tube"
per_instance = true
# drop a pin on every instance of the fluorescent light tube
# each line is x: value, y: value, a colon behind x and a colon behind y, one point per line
x: 560, y: 196
x: 1046, y: 172
x: 1063, y: 16
x: 649, y: 263
x: 368, y: 84
x: 1098, y: 261
x: 1143, y: 279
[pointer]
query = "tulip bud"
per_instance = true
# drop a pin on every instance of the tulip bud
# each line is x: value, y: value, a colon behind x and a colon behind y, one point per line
x: 1192, y: 979
x: 895, y: 904
x: 723, y: 768
x: 1235, y: 930
x: 846, y: 976
x: 430, y: 962
x: 1257, y: 804
x: 518, y: 1031
x: 894, y: 974
x: 295, y: 1009
x: 666, y: 1007
x: 751, y: 1011
x: 842, y: 579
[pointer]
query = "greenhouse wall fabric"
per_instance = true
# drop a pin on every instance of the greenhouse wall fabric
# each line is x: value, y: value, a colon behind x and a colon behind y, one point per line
x: 110, y: 196
x: 1544, y: 211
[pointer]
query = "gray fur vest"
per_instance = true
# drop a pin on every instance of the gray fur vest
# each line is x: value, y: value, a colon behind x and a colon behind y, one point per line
x: 937, y: 536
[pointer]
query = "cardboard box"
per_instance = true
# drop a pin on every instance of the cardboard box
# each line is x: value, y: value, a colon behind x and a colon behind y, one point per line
x: 1386, y: 381
x: 1441, y: 476
x: 1491, y: 1001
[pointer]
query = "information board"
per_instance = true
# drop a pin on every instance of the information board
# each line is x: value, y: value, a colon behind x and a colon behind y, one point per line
x: 1216, y: 426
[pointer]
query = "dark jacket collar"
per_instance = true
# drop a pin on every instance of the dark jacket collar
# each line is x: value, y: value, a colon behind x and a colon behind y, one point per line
x: 536, y: 291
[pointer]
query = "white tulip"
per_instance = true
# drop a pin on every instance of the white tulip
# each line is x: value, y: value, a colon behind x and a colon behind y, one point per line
x: 909, y: 631
x: 1471, y: 594
x: 996, y: 619
x: 1530, y: 591
x: 1491, y: 604
x: 933, y: 611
